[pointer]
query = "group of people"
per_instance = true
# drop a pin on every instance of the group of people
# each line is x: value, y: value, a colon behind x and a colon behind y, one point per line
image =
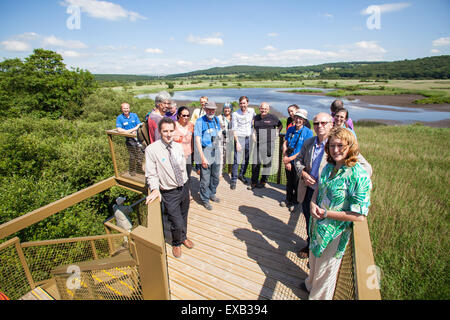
x: 325, y: 172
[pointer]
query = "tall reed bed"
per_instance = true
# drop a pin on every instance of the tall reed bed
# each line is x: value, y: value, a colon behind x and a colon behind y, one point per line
x: 409, y: 215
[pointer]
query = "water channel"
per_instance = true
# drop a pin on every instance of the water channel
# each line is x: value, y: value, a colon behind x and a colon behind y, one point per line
x: 314, y: 104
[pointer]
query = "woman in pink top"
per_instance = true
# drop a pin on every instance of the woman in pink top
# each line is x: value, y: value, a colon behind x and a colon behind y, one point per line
x: 184, y: 130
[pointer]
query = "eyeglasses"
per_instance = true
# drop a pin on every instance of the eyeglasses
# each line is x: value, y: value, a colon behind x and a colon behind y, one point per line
x: 323, y: 123
x: 184, y: 115
x: 338, y: 146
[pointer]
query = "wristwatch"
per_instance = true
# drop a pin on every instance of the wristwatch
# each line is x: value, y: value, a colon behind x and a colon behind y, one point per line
x: 325, y: 213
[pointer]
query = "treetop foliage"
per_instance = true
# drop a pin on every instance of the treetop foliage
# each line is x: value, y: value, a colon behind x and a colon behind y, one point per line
x: 41, y: 85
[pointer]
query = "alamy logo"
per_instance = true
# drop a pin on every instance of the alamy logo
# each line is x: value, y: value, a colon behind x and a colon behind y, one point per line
x: 373, y: 281
x: 74, y: 281
x: 74, y: 21
x: 374, y: 20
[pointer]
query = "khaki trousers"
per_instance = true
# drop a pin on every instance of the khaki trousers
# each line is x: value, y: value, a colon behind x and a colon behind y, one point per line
x: 321, y: 281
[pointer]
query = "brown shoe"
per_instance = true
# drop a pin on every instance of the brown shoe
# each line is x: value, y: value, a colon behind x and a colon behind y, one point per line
x: 188, y: 243
x: 176, y: 251
x: 303, y: 253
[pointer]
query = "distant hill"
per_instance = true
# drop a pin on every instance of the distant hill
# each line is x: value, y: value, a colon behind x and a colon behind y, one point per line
x: 123, y: 77
x: 423, y: 68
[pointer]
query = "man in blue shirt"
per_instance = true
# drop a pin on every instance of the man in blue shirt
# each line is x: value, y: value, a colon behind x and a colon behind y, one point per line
x: 206, y: 132
x: 128, y: 123
x: 295, y: 136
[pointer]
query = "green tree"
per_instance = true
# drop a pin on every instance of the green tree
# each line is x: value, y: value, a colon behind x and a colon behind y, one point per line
x: 42, y: 85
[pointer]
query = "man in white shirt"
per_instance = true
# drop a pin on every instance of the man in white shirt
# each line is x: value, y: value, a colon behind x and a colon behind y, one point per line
x: 242, y: 121
x: 165, y: 171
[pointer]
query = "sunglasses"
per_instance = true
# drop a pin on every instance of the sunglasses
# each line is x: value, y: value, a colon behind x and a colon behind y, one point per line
x: 323, y: 123
x: 185, y: 115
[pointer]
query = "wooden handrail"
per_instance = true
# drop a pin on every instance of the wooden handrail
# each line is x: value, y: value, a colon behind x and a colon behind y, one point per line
x: 366, y: 277
x: 69, y: 240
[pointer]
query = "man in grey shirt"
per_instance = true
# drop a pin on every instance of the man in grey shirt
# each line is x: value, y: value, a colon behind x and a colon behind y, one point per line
x: 165, y: 171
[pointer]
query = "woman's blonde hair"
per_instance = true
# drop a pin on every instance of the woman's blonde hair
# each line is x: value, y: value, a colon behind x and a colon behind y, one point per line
x: 347, y: 137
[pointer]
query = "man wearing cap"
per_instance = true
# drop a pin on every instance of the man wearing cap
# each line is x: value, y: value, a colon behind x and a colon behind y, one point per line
x: 206, y: 133
x: 165, y: 171
x: 295, y: 136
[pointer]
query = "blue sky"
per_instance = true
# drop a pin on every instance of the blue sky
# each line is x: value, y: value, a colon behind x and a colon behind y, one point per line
x: 165, y: 37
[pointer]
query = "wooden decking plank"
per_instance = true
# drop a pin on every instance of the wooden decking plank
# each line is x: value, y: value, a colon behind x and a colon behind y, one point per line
x: 255, y: 244
x: 259, y: 275
x: 189, y: 280
x: 183, y: 292
x: 215, y: 277
x: 245, y: 247
x: 250, y: 268
x: 258, y: 255
x: 280, y: 234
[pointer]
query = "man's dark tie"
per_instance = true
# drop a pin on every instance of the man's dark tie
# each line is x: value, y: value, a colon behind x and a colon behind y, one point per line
x: 176, y: 168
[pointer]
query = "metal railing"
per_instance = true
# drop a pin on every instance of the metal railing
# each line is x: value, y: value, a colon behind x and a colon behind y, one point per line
x: 143, y: 273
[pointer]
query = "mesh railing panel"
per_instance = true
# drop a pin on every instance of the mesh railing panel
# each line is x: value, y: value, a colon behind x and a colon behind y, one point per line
x: 118, y: 283
x: 130, y: 161
x: 13, y: 281
x: 43, y: 258
x: 129, y: 158
x: 345, y: 284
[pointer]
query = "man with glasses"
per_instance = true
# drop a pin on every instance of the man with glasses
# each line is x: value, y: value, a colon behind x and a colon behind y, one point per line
x: 309, y: 164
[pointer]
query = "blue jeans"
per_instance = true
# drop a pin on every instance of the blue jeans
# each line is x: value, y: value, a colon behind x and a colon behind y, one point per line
x: 209, y: 180
x: 245, y: 144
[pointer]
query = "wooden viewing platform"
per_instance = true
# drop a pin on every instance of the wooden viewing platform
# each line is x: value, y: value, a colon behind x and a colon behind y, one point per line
x: 245, y: 248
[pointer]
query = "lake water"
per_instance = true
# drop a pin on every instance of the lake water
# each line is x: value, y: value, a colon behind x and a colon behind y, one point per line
x: 313, y: 104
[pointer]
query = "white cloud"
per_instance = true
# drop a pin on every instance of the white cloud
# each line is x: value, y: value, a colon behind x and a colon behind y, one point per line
x: 15, y: 45
x: 205, y: 41
x: 388, y: 7
x: 435, y: 51
x: 371, y: 46
x: 441, y: 42
x: 113, y: 61
x: 28, y: 36
x: 328, y: 15
x: 153, y: 50
x: 70, y: 54
x: 104, y: 10
x: 56, y: 42
x: 272, y: 34
x: 270, y: 48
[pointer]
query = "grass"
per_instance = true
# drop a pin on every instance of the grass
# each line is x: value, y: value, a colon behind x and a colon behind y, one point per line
x: 409, y: 214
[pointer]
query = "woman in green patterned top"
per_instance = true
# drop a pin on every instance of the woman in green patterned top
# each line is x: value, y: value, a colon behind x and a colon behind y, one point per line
x: 343, y: 196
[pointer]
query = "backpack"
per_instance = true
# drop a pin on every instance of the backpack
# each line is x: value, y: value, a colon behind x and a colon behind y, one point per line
x: 143, y: 132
